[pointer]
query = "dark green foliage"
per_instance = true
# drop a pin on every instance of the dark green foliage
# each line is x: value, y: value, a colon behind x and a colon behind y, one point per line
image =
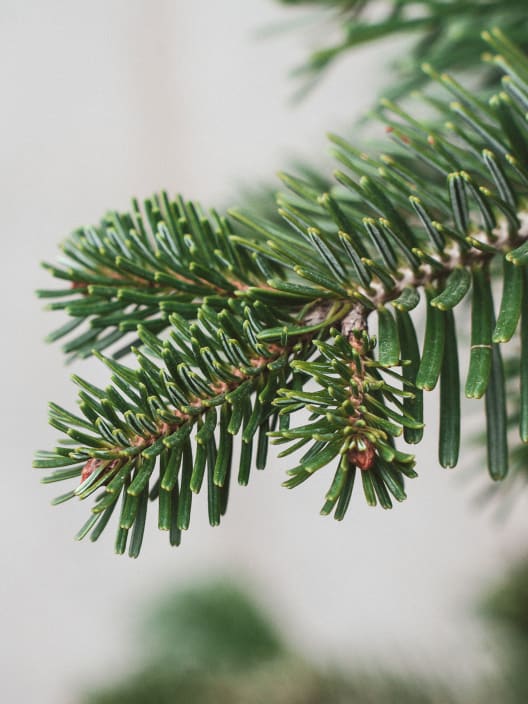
x: 496, y: 418
x: 137, y: 268
x: 354, y: 417
x: 449, y: 431
x: 239, y: 329
x: 524, y: 366
x: 457, y: 285
x: 433, y: 347
x: 511, y: 303
x: 481, y: 330
x: 184, y: 385
x: 413, y: 404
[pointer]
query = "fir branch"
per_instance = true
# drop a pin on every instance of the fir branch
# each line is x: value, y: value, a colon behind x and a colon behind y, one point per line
x: 137, y: 268
x: 214, y: 372
x: 431, y: 215
x: 446, y: 34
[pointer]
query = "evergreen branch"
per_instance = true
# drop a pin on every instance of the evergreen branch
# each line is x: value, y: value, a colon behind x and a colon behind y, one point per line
x: 214, y: 372
x: 137, y: 268
x: 447, y: 34
x: 354, y: 417
x: 432, y: 215
x: 405, y: 231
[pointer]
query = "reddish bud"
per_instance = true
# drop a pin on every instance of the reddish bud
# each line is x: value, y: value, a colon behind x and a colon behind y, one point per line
x: 364, y: 459
x: 89, y: 468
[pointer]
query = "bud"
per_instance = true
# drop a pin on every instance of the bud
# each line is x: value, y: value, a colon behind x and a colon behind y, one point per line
x: 364, y: 459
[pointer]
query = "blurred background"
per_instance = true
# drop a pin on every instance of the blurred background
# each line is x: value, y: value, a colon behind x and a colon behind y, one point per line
x: 115, y: 98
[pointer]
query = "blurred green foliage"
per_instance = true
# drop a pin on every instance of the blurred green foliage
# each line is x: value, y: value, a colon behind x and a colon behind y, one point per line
x: 211, y: 627
x: 210, y: 644
x: 445, y: 33
x: 506, y: 608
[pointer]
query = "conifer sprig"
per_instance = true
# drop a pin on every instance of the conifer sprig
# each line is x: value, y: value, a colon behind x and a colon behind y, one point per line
x: 137, y: 268
x: 207, y: 374
x: 278, y: 320
x: 446, y: 34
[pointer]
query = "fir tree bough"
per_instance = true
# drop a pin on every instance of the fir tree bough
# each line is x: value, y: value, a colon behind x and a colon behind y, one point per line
x: 443, y: 32
x: 238, y: 324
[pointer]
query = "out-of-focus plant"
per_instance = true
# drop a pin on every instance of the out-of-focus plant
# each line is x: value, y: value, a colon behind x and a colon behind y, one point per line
x: 506, y: 608
x: 445, y: 33
x: 211, y: 644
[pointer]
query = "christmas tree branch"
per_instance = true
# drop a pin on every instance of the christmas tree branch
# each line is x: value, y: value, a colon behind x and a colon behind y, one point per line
x: 281, y: 310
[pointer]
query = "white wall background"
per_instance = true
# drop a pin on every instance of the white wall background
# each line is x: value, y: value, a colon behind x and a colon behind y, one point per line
x: 112, y: 98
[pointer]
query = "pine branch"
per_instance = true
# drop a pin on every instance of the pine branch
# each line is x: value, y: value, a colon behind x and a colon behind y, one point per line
x: 430, y: 216
x: 137, y: 268
x: 445, y: 34
x: 213, y: 372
